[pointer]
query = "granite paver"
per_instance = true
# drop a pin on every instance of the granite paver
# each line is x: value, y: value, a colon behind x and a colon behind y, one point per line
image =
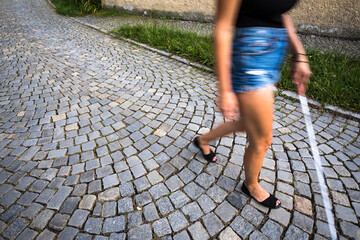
x: 95, y: 139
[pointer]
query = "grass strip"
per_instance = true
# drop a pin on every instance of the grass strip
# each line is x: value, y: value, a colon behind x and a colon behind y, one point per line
x: 335, y: 79
x: 66, y: 7
x: 185, y: 44
x: 80, y: 8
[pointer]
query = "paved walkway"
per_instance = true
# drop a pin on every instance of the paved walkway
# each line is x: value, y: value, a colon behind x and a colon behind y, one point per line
x: 95, y: 143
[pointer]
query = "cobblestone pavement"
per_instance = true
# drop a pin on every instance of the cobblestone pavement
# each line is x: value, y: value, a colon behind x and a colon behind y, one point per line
x: 95, y: 143
x: 351, y: 47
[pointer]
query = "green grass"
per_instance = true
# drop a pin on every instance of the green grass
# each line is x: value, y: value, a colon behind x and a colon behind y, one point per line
x: 65, y: 7
x: 335, y: 79
x: 74, y: 8
x: 70, y: 8
x: 186, y: 44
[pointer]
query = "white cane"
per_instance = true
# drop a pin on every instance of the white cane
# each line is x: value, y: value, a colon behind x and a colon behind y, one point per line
x: 319, y: 169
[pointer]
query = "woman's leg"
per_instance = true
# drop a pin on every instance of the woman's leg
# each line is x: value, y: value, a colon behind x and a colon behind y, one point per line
x: 218, y: 132
x: 256, y: 109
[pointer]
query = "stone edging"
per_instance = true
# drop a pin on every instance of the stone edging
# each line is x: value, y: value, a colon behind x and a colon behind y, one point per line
x: 288, y: 94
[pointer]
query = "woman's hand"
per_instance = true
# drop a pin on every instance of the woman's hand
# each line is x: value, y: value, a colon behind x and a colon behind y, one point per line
x: 301, y: 75
x: 228, y: 104
x: 300, y: 65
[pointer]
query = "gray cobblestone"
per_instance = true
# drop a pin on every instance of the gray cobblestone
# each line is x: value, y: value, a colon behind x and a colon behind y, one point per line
x: 42, y: 219
x: 78, y: 218
x: 198, y: 231
x: 142, y: 184
x: 295, y: 233
x: 9, y: 198
x: 134, y: 219
x: 158, y: 191
x: 68, y: 233
x: 27, y: 234
x: 164, y: 205
x: 349, y: 229
x: 104, y: 171
x: 115, y: 224
x: 182, y: 236
x: 79, y: 190
x: 345, y: 213
x: 186, y: 175
x: 59, y: 221
x: 27, y: 198
x: 303, y: 222
x: 124, y: 122
x: 196, y: 166
x: 193, y: 211
x: 205, y: 180
x: 193, y: 190
x: 241, y: 227
x: 31, y: 211
x: 177, y: 221
x: 59, y: 197
x: 174, y: 183
x: 166, y: 170
x: 161, y: 227
x: 216, y: 193
x: 87, y: 177
x: 46, y: 235
x: 272, y: 230
x: 127, y: 189
x: 212, y: 223
x: 138, y: 170
x: 38, y: 186
x: 225, y: 211
x: 125, y: 176
x: 109, y: 209
x: 143, y: 198
x: 125, y: 205
x: 226, y: 183
x: 94, y: 187
x: 10, y: 214
x: 14, y: 229
x: 110, y: 181
x: 93, y: 225
x: 142, y: 232
x: 150, y: 212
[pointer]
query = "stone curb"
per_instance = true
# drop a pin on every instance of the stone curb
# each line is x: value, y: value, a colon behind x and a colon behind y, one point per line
x: 286, y: 93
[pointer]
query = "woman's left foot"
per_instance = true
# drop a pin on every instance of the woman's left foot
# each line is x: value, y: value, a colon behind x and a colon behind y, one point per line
x: 210, y: 157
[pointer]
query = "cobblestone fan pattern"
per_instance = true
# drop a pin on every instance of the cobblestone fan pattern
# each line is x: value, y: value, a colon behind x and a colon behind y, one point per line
x: 95, y: 143
x: 351, y: 47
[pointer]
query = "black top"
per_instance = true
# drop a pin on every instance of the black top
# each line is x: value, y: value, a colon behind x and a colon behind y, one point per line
x: 263, y: 13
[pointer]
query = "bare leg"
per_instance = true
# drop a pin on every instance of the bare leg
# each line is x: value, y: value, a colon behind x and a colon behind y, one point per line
x: 256, y: 109
x: 218, y: 132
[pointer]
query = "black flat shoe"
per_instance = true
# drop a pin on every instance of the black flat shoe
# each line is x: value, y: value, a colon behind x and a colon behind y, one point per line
x: 208, y: 157
x: 270, y: 202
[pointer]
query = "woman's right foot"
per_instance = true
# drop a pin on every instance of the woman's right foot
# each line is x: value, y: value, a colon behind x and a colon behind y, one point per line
x: 207, y: 153
x: 261, y: 196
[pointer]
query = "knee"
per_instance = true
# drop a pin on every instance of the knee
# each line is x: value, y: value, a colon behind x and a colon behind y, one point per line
x: 262, y: 144
x: 267, y: 142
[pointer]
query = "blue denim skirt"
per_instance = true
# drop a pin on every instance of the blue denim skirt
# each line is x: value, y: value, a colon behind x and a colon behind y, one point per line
x: 257, y: 56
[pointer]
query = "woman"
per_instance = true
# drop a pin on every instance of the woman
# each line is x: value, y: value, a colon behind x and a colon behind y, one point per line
x: 249, y: 60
